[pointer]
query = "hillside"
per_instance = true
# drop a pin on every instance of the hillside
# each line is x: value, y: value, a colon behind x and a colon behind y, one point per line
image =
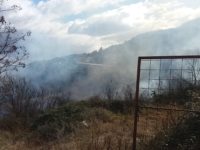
x: 88, y: 73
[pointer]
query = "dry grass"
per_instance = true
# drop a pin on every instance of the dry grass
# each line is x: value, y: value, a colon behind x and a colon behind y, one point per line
x: 113, y: 134
x: 155, y: 121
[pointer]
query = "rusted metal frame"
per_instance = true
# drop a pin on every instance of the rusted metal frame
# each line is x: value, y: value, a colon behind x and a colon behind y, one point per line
x: 171, y: 57
x: 136, y: 103
x: 162, y: 108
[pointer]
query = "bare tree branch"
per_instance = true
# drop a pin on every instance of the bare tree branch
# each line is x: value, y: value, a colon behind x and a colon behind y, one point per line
x: 12, y: 52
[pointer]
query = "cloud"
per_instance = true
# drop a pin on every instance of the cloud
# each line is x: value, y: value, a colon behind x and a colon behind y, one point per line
x: 68, y: 7
x: 99, y: 26
x: 63, y: 27
x: 57, y: 47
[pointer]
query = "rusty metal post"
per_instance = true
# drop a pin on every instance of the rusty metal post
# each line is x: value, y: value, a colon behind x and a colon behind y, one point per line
x: 136, y: 102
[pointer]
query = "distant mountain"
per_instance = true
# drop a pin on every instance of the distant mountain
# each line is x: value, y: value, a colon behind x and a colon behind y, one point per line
x: 87, y: 74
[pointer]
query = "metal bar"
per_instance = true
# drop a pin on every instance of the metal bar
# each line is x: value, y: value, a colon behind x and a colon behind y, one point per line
x: 169, y: 79
x: 136, y: 105
x: 170, y: 71
x: 162, y: 108
x: 159, y: 78
x: 166, y: 69
x: 149, y: 77
x: 171, y: 57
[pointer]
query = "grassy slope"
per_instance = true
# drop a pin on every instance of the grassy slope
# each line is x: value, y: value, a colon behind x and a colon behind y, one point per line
x: 102, y: 129
x: 99, y: 125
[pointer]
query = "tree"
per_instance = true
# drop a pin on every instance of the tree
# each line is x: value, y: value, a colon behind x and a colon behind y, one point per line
x: 194, y: 70
x: 110, y: 90
x: 12, y: 52
x: 128, y: 93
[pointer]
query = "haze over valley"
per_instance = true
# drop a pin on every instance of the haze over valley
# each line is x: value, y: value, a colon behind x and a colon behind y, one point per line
x: 85, y: 75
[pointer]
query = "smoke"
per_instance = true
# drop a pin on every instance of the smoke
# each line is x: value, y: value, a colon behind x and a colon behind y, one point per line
x: 123, y: 58
x: 92, y: 64
x: 86, y: 75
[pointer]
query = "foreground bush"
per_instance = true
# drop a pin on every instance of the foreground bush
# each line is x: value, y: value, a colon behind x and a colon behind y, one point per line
x: 116, y: 106
x: 184, y: 136
x: 92, y: 114
x: 53, y: 124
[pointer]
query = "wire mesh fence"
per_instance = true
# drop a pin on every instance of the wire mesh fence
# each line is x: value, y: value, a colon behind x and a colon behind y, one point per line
x: 167, y: 90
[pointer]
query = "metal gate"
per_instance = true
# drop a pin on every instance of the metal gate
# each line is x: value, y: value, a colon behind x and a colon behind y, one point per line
x: 167, y: 90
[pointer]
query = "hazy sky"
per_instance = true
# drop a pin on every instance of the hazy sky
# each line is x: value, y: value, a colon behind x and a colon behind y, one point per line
x: 63, y: 27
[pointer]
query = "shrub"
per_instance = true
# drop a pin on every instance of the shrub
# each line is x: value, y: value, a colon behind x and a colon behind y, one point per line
x: 53, y: 124
x: 116, y: 106
x: 98, y: 114
x: 19, y: 102
x: 184, y: 136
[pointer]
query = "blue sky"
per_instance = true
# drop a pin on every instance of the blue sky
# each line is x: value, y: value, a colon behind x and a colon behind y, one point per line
x: 36, y: 1
x: 63, y: 27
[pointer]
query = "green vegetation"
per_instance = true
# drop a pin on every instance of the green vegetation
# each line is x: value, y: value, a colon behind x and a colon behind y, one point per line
x: 183, y: 133
x: 183, y: 136
x: 34, y: 119
x: 55, y: 123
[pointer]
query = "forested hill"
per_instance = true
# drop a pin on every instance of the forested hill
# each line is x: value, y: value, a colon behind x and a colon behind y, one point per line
x: 88, y: 74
